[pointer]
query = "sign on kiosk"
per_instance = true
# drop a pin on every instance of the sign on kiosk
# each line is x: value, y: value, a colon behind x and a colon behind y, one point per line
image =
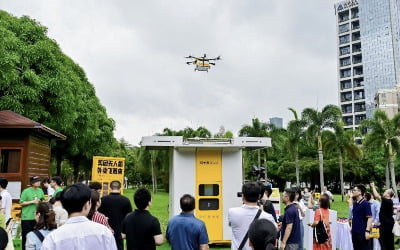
x: 108, y: 169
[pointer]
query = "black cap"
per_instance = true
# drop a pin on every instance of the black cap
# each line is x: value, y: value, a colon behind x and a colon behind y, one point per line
x: 34, y: 179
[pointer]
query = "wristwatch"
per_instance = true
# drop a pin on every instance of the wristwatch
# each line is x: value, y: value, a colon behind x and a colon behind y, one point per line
x: 367, y: 231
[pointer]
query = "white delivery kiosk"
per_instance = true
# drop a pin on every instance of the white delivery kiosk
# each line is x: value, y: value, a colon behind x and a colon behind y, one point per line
x: 210, y: 170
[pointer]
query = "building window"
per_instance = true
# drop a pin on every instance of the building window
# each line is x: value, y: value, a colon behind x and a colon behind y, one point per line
x: 344, y: 28
x: 346, y: 84
x: 355, y: 36
x: 345, y: 50
x: 10, y: 160
x: 345, y: 61
x: 344, y: 16
x: 345, y: 73
x: 344, y: 39
x: 359, y: 82
x: 357, y: 59
x: 354, y: 13
x: 356, y: 47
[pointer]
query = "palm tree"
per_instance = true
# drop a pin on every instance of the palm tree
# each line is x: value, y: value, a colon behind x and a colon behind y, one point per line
x: 257, y: 129
x: 342, y: 142
x: 384, y: 132
x: 317, y: 122
x: 294, y: 133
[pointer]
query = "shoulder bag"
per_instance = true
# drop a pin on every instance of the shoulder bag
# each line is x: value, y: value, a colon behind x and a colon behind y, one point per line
x: 320, y: 233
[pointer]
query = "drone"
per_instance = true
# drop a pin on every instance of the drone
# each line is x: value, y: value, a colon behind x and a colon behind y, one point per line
x: 202, y: 63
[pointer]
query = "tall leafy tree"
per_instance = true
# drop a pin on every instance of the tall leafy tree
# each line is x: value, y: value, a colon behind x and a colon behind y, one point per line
x: 40, y: 82
x: 317, y: 121
x: 384, y: 132
x: 342, y: 142
x: 294, y: 133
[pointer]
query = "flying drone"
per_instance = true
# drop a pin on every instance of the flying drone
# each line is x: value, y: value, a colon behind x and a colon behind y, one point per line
x: 202, y: 63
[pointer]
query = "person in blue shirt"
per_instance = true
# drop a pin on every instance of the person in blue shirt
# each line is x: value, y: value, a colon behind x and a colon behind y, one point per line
x: 290, y: 228
x: 184, y: 231
x: 362, y: 219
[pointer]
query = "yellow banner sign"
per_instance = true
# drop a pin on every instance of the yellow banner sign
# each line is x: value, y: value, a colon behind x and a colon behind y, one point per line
x: 108, y: 169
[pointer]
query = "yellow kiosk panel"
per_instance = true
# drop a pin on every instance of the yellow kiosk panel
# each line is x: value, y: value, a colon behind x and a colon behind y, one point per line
x: 208, y: 192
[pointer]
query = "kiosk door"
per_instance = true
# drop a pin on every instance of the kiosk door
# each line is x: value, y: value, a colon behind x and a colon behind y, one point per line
x: 209, y: 192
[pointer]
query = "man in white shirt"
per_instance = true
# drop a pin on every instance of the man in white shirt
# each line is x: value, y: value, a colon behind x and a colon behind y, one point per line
x: 6, y: 200
x: 241, y: 217
x: 49, y: 189
x: 78, y: 232
x: 327, y: 192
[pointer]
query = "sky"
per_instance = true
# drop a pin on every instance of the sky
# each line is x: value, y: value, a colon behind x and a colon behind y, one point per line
x: 275, y: 54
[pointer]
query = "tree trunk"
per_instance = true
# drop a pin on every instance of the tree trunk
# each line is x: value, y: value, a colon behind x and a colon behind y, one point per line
x: 153, y: 171
x: 321, y: 163
x: 387, y: 175
x: 265, y: 165
x: 297, y: 170
x: 341, y: 175
x: 58, y: 163
x: 259, y: 158
x: 75, y: 165
x: 394, y: 186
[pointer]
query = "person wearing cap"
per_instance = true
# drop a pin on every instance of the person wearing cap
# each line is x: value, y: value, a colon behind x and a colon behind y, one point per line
x: 29, y: 200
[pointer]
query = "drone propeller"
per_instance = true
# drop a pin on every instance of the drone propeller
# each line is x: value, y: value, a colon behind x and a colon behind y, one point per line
x: 189, y: 56
x: 214, y: 59
x: 212, y: 63
x: 188, y: 63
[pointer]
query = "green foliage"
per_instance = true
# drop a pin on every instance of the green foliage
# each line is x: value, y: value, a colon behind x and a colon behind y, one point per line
x: 40, y: 82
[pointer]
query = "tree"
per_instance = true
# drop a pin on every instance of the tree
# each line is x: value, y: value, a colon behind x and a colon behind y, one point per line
x: 317, y: 122
x: 342, y: 142
x: 384, y: 132
x: 40, y: 82
x: 294, y: 133
x: 256, y: 129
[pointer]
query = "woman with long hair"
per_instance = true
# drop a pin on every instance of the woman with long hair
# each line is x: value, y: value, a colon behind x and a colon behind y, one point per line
x: 45, y: 222
x: 322, y: 213
x: 95, y: 215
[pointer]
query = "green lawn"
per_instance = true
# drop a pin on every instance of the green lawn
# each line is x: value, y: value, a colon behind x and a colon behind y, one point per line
x: 160, y: 202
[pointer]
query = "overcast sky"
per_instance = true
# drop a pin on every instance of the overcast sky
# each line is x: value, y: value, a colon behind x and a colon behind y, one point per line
x: 275, y: 54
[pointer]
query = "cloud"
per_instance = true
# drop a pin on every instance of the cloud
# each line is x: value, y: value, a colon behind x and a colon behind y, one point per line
x: 275, y: 55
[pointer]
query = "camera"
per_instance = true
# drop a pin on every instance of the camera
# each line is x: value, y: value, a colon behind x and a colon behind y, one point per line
x: 239, y: 194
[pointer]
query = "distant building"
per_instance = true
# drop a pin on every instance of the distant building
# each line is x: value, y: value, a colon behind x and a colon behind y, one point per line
x: 388, y: 101
x: 278, y: 122
x: 368, y: 35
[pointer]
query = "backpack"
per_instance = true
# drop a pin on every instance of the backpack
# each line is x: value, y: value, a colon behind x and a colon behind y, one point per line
x: 320, y: 233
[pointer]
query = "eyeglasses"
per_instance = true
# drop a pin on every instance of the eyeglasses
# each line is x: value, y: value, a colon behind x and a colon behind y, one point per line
x: 355, y: 190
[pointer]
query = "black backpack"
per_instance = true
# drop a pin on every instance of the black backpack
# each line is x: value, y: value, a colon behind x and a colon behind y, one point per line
x: 320, y: 233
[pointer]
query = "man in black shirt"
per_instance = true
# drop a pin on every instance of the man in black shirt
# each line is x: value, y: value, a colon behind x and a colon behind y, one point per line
x: 115, y: 207
x: 386, y: 238
x: 140, y: 228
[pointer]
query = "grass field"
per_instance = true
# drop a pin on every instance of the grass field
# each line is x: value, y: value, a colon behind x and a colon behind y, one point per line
x: 160, y: 202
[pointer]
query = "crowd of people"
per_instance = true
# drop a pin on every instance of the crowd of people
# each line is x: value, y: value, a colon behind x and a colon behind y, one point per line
x: 77, y: 218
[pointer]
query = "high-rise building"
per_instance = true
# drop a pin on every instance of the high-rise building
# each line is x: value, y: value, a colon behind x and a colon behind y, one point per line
x: 368, y: 35
x: 277, y: 121
x: 388, y: 100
